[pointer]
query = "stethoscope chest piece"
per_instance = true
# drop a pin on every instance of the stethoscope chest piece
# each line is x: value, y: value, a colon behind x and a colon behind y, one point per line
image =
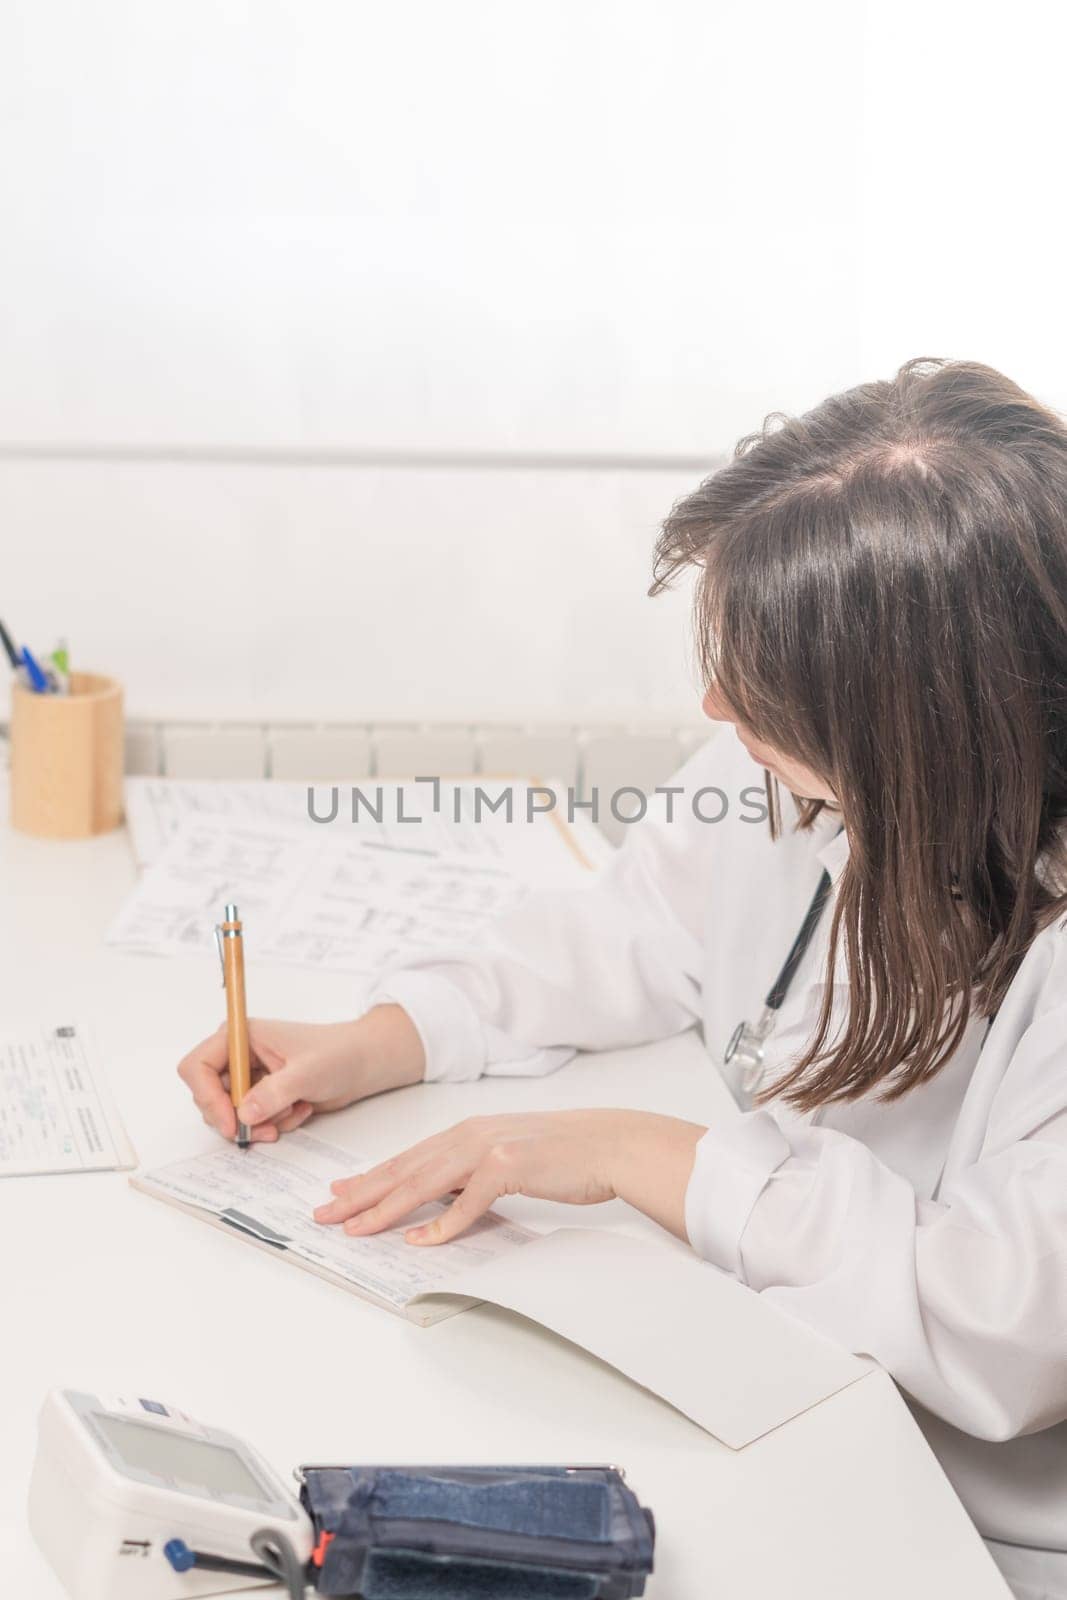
x: 745, y: 1051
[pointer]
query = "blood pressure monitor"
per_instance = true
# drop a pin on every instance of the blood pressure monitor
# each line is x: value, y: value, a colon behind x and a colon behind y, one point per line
x: 122, y: 1485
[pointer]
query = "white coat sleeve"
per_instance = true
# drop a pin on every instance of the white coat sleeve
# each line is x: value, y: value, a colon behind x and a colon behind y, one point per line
x: 614, y: 963
x: 963, y: 1299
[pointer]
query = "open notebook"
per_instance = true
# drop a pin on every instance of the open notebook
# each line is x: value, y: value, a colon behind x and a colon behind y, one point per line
x: 268, y: 1192
x: 647, y: 1306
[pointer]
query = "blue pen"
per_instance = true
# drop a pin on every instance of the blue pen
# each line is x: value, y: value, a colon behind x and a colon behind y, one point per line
x: 38, y: 681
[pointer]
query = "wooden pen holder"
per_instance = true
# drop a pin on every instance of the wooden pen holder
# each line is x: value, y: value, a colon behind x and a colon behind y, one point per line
x: 66, y: 759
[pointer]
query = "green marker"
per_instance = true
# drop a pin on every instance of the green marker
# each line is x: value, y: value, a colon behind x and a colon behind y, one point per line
x: 59, y: 661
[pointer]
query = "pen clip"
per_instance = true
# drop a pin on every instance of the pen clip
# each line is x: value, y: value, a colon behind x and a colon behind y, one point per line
x: 222, y: 959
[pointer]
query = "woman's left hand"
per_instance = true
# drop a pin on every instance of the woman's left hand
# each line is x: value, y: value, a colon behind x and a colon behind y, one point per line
x: 577, y: 1157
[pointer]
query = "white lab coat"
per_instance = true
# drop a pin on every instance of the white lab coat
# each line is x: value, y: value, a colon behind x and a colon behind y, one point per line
x: 930, y: 1233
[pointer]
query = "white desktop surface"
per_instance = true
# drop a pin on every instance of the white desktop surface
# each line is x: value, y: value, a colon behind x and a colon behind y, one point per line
x: 106, y: 1290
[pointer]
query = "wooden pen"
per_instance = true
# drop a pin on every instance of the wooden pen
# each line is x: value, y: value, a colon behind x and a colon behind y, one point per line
x: 232, y: 952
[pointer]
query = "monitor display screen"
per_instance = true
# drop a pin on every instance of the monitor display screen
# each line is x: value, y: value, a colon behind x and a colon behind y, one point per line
x: 212, y: 1467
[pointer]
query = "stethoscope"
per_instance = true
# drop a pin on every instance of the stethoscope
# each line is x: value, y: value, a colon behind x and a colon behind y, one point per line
x: 744, y: 1053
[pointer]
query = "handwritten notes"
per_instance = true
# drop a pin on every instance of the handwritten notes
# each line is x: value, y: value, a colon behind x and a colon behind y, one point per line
x: 310, y: 898
x: 269, y: 1191
x: 55, y: 1112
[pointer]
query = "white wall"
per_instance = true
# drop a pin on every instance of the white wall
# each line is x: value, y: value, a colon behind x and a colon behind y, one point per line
x: 964, y: 228
x: 603, y: 233
x: 569, y: 225
x: 352, y: 594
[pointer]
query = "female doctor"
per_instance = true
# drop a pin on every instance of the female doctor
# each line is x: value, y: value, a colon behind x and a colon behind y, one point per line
x: 881, y: 601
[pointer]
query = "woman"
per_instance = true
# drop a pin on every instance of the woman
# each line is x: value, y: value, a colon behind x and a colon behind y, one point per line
x: 882, y: 610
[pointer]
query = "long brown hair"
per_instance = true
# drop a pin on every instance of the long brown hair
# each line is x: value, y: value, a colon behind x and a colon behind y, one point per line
x: 882, y: 596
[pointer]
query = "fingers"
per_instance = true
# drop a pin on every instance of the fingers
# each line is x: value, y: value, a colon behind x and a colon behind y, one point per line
x: 367, y: 1188
x: 486, y: 1186
x: 469, y: 1136
x: 296, y: 1118
x: 382, y: 1198
x: 272, y: 1106
x: 390, y: 1191
x: 274, y: 1098
x: 385, y: 1176
x: 202, y: 1070
x: 266, y: 1133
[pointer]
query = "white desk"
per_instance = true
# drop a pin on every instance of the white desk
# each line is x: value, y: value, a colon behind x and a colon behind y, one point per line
x: 105, y: 1289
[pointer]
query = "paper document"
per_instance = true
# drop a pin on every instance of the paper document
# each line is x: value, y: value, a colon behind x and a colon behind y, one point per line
x: 55, y: 1112
x: 449, y: 818
x: 156, y: 808
x: 313, y: 899
x: 718, y: 1352
x: 695, y: 1336
x: 267, y: 1194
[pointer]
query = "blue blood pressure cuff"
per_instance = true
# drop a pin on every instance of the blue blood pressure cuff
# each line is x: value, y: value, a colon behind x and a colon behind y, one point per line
x: 464, y: 1533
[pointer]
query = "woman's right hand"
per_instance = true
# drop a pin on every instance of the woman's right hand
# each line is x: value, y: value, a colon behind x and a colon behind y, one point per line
x: 299, y: 1068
